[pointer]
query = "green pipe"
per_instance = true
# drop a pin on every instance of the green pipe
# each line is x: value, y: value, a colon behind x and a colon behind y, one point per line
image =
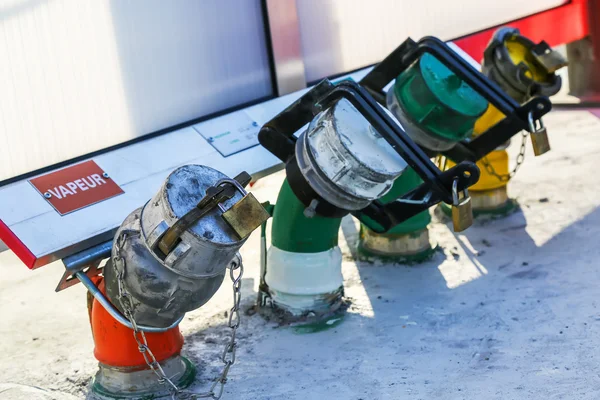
x: 292, y: 231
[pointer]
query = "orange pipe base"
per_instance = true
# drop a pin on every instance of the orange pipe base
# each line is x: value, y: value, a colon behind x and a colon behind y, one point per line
x: 115, y: 345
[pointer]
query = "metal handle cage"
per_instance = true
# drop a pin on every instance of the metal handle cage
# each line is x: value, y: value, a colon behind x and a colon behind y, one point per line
x: 277, y: 136
x: 472, y: 150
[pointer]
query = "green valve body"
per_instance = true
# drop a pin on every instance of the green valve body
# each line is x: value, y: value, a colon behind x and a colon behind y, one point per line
x: 438, y: 107
x: 437, y: 110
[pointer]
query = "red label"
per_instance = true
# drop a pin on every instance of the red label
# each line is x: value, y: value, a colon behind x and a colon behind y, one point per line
x: 76, y: 187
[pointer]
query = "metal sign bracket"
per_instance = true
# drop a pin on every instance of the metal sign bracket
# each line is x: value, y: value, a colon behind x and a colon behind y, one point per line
x: 87, y: 262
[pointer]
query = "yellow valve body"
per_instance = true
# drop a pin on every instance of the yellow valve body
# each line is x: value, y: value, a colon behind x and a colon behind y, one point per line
x: 498, y: 158
x: 519, y: 53
x: 490, y: 118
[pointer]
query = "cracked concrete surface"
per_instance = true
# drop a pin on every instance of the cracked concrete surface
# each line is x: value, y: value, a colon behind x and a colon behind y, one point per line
x: 507, y: 310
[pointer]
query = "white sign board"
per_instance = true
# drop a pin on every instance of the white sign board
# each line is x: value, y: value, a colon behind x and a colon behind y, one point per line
x: 231, y: 133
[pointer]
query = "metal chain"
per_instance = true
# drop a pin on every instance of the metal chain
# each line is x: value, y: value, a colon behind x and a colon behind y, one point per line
x: 520, y: 159
x: 228, y: 356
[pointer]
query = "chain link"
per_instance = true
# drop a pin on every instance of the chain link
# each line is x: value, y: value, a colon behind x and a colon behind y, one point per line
x: 520, y: 159
x: 228, y: 357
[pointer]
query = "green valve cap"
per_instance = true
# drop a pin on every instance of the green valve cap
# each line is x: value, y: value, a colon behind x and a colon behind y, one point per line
x: 437, y: 100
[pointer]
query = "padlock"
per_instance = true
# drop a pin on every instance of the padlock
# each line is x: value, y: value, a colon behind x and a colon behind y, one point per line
x: 462, y: 210
x: 245, y: 216
x: 165, y: 238
x: 539, y: 137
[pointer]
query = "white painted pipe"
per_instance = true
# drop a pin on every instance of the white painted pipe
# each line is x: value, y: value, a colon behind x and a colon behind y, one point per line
x: 304, y: 282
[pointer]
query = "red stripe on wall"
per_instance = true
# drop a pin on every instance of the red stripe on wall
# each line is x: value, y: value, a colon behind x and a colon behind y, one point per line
x: 557, y: 26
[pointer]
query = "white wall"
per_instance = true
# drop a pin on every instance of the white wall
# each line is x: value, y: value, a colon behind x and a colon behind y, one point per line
x: 80, y: 75
x: 343, y: 35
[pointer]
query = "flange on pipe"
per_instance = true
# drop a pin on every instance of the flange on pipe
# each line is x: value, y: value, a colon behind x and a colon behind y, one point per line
x: 348, y: 158
x: 438, y: 97
x: 168, y: 257
x: 523, y: 70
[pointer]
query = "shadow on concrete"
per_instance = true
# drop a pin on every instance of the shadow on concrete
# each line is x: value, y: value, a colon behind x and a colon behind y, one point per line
x: 494, y: 249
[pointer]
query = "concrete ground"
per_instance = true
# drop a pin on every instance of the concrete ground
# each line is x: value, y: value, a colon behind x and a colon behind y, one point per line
x: 507, y: 310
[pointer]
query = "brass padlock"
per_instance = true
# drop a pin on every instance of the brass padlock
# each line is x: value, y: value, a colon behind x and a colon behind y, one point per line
x: 462, y: 210
x: 245, y: 216
x: 539, y: 137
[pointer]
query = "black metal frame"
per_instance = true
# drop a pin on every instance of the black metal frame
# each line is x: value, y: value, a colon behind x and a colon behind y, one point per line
x: 516, y: 115
x: 277, y: 136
